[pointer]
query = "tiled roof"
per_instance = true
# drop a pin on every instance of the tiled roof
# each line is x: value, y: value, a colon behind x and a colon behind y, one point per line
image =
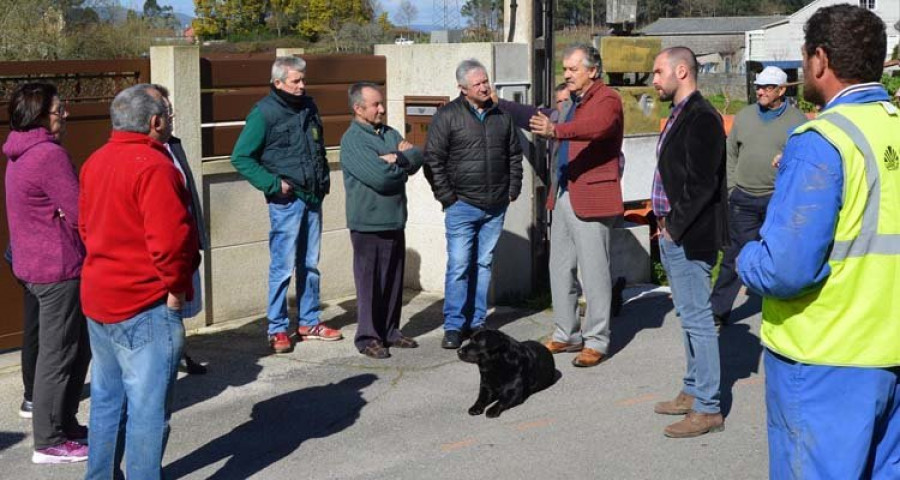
x: 707, y: 25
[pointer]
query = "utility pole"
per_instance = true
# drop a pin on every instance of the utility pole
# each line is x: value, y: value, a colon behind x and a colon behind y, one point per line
x: 593, y: 25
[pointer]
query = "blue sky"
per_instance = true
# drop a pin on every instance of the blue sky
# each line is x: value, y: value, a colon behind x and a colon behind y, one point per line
x: 424, y: 17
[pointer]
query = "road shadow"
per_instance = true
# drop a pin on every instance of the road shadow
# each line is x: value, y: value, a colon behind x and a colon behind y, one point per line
x: 278, y: 426
x: 739, y: 352
x: 232, y: 360
x: 750, y: 307
x: 640, y: 312
x: 9, y: 439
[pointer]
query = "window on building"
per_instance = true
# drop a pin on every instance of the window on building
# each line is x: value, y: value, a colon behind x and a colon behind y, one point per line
x: 867, y: 4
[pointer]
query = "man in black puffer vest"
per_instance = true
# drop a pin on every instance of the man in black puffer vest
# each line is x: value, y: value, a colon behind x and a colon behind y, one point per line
x: 473, y: 162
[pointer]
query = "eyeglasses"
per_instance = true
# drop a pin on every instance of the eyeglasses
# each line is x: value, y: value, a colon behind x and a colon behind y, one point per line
x: 767, y: 88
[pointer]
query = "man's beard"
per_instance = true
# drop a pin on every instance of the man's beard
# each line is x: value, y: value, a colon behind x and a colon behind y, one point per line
x: 812, y: 94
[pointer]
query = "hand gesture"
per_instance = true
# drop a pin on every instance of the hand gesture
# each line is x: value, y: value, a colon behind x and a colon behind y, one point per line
x: 286, y: 188
x: 541, y: 125
x: 389, y: 157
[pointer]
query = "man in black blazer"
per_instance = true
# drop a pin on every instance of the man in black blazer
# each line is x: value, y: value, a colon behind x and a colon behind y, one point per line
x: 689, y: 202
x: 191, y: 309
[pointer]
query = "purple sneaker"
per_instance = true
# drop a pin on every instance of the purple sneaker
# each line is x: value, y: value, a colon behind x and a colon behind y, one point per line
x: 66, y: 452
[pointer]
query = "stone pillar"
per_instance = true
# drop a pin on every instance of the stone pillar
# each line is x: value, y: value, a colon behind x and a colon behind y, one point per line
x: 287, y: 52
x: 524, y: 32
x: 177, y: 67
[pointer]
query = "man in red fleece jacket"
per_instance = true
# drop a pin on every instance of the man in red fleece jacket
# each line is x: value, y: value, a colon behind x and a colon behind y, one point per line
x: 142, y: 249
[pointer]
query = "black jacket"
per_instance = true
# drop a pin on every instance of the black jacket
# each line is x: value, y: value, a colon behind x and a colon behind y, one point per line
x: 477, y: 162
x: 692, y: 169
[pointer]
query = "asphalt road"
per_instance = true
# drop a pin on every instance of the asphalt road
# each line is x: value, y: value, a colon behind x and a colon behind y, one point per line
x: 326, y: 412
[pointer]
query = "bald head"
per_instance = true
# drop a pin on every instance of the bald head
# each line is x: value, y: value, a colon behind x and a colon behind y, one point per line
x: 675, y: 73
x: 682, y: 56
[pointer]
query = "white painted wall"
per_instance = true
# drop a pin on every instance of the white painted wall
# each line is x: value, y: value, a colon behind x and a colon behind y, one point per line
x: 429, y: 70
x: 783, y: 41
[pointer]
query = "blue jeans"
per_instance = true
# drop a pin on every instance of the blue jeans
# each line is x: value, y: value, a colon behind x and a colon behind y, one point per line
x: 690, y: 283
x: 472, y: 234
x: 294, y: 240
x: 832, y: 422
x: 132, y: 376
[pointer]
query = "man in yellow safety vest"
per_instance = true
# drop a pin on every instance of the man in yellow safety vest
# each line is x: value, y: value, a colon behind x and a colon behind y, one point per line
x: 828, y: 265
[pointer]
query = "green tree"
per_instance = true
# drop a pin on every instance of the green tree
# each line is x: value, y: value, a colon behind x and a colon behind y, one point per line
x: 221, y: 18
x: 163, y: 17
x: 319, y: 18
x: 485, y: 17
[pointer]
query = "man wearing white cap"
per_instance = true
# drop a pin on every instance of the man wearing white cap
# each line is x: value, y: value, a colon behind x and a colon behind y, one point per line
x: 758, y: 134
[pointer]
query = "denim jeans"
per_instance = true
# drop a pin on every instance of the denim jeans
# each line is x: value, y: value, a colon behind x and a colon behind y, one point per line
x: 472, y: 233
x: 132, y: 376
x: 294, y: 239
x: 745, y: 217
x: 832, y: 422
x: 690, y: 283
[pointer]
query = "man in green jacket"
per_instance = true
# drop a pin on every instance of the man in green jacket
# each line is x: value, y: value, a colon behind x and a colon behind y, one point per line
x: 757, y: 136
x: 376, y: 162
x: 281, y: 152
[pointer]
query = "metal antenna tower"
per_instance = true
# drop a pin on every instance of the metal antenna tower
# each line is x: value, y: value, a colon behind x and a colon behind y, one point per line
x: 445, y: 14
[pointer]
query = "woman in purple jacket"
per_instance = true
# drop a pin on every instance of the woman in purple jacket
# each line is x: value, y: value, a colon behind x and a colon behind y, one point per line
x: 42, y: 210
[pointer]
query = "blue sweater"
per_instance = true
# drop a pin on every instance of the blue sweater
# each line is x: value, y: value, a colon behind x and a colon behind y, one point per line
x: 792, y: 254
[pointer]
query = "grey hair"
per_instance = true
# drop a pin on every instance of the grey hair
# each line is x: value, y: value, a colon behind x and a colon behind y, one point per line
x: 133, y: 108
x: 464, y: 68
x: 591, y: 56
x: 283, y: 64
x: 354, y: 93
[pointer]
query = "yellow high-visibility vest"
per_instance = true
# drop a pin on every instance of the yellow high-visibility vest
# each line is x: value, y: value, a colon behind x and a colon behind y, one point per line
x: 853, y: 318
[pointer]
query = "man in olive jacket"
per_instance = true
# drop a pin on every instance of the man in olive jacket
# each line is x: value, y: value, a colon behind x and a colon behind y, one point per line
x: 376, y: 162
x: 282, y: 153
x: 473, y: 162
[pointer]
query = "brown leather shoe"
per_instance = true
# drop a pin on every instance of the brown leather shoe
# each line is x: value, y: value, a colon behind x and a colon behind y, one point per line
x: 562, y: 347
x: 588, y: 358
x: 375, y: 349
x: 405, y: 342
x: 695, y: 424
x: 682, y: 404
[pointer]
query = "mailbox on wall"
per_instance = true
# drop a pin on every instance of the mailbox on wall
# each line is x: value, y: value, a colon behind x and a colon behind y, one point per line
x: 418, y: 111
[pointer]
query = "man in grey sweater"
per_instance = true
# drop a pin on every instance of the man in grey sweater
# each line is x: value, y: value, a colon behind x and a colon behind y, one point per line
x: 757, y: 136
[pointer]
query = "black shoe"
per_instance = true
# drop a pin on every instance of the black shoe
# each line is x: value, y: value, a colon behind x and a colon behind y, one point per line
x: 25, y: 409
x: 452, y: 339
x: 189, y: 366
x: 720, y: 321
x: 617, y: 301
x: 470, y: 332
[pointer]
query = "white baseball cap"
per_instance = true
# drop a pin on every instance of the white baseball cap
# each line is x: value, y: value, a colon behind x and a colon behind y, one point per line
x: 771, y: 76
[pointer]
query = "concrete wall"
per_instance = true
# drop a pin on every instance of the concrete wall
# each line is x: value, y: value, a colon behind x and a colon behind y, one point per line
x: 429, y: 70
x: 235, y: 269
x: 732, y: 84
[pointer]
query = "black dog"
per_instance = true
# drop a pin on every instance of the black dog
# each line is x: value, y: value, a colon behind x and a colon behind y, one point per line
x: 510, y: 370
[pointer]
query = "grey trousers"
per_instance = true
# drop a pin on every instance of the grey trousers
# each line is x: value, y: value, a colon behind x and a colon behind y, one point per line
x: 62, y: 361
x: 580, y: 244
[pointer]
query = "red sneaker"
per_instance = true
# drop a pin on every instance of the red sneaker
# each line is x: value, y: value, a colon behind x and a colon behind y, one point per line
x: 319, y: 332
x: 280, y: 342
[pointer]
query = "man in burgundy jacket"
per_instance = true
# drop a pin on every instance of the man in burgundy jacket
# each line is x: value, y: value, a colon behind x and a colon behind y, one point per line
x: 586, y: 198
x: 142, y: 249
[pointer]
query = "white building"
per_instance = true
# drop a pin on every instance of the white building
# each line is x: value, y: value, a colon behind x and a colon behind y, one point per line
x: 781, y: 41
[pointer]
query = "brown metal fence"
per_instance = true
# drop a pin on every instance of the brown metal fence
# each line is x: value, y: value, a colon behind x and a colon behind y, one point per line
x: 232, y: 84
x: 88, y: 87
